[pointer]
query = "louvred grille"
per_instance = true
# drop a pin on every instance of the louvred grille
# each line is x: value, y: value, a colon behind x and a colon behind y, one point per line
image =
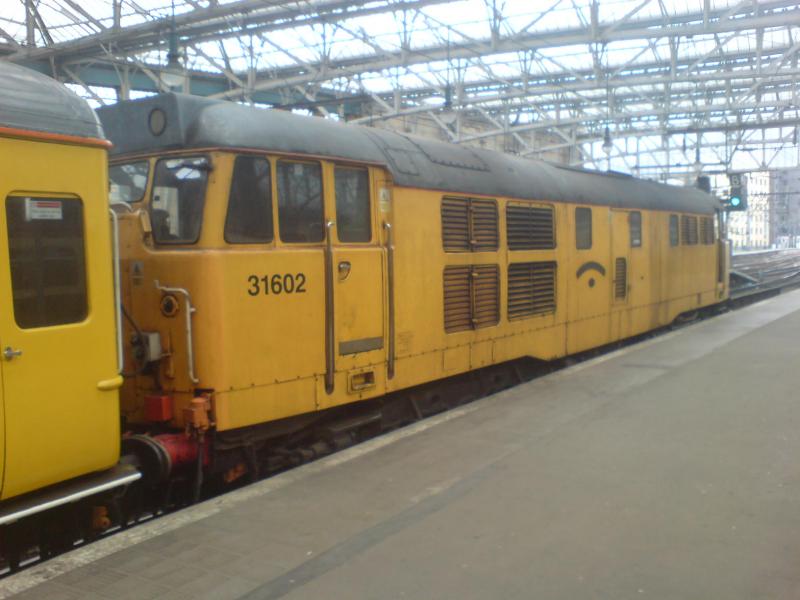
x: 530, y: 227
x: 531, y: 289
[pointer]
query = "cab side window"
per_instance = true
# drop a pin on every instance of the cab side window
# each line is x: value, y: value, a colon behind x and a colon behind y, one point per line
x: 300, y: 210
x: 249, y: 219
x: 583, y: 228
x: 352, y: 204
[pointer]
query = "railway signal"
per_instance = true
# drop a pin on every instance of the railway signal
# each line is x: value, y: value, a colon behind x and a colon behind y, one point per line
x: 737, y: 199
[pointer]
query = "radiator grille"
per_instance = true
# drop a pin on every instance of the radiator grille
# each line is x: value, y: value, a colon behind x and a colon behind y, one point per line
x: 471, y: 297
x: 469, y: 225
x: 531, y: 289
x: 486, y: 295
x: 620, y: 278
x: 530, y: 227
x: 689, y: 229
x: 707, y: 230
x: 457, y: 299
x: 455, y: 225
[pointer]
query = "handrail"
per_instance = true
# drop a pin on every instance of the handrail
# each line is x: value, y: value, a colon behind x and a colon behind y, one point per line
x: 390, y: 293
x: 117, y: 288
x: 190, y: 310
x: 330, y: 331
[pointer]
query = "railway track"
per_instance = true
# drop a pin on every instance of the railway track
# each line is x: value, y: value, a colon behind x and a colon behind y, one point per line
x: 765, y: 274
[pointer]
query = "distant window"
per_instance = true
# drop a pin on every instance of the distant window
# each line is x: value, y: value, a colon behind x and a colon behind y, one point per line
x: 674, y: 236
x: 635, y: 223
x: 352, y: 204
x: 249, y: 219
x: 300, y: 210
x: 178, y: 197
x: 128, y: 182
x: 583, y: 228
x: 47, y: 260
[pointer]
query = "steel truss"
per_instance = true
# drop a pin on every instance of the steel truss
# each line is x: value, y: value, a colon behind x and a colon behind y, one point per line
x: 635, y: 85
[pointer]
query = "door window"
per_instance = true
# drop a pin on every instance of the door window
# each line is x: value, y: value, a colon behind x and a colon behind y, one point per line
x: 352, y: 204
x: 48, y: 265
x: 300, y: 212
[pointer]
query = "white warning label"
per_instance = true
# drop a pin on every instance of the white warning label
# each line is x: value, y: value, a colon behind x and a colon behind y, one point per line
x: 43, y: 210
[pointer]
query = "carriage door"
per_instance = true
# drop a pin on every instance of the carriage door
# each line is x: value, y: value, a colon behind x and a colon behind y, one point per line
x: 620, y: 270
x: 359, y: 341
x: 57, y: 344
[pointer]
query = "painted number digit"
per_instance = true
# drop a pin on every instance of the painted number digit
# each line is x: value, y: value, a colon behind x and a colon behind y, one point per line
x: 277, y: 284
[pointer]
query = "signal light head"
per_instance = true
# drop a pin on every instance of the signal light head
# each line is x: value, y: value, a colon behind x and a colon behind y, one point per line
x: 736, y: 201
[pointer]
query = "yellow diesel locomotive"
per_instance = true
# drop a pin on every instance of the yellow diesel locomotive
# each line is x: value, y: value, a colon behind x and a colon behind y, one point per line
x: 59, y: 372
x: 286, y: 274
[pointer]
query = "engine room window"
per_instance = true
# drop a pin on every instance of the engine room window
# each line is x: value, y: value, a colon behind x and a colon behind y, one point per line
x: 300, y: 211
x: 673, y: 230
x: 583, y: 228
x: 249, y: 219
x: 352, y: 204
x: 128, y: 182
x: 48, y: 265
x: 179, y: 193
x: 635, y: 223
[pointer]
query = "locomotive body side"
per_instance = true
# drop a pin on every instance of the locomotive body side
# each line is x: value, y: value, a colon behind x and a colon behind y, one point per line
x: 258, y: 336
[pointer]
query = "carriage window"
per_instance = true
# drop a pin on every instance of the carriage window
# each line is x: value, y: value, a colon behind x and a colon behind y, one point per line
x: 178, y: 197
x: 352, y: 204
x: 300, y: 213
x: 127, y: 182
x: 635, y: 223
x: 48, y: 267
x: 673, y: 230
x: 583, y: 228
x: 249, y: 219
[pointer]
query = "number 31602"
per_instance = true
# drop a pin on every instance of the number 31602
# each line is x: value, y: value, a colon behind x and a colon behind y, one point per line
x: 277, y: 284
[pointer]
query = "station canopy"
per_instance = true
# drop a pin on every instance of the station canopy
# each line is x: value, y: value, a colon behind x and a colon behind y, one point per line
x: 658, y: 88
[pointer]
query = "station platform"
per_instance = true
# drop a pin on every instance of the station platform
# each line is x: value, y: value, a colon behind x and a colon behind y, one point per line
x: 669, y: 469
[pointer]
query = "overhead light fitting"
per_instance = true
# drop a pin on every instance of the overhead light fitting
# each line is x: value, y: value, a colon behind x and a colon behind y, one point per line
x: 172, y: 75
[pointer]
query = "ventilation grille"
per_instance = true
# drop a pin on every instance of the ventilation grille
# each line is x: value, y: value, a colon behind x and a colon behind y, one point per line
x: 531, y: 289
x: 484, y: 225
x: 455, y: 225
x: 457, y: 299
x: 620, y: 278
x: 689, y: 229
x: 486, y: 294
x: 530, y: 227
x: 469, y: 225
x: 471, y: 297
x: 707, y: 230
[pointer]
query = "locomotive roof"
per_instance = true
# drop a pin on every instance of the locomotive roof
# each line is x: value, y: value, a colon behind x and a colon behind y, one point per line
x: 34, y: 102
x: 196, y: 122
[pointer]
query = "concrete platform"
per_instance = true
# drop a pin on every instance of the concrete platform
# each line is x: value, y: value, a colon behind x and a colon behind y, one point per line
x: 670, y: 469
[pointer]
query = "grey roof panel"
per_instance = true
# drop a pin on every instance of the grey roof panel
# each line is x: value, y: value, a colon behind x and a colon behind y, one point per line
x: 194, y: 122
x: 34, y: 102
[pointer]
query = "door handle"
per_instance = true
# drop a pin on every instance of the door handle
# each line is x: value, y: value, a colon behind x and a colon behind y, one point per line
x: 10, y: 353
x: 344, y: 270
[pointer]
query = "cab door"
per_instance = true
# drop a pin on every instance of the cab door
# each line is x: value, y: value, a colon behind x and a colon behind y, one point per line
x: 56, y: 340
x: 620, y: 266
x: 358, y: 286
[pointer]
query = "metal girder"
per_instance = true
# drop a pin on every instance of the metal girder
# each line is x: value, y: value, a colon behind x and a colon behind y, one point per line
x: 538, y: 79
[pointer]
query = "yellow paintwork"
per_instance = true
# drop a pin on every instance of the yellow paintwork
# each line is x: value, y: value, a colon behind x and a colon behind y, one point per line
x: 60, y: 406
x: 263, y: 357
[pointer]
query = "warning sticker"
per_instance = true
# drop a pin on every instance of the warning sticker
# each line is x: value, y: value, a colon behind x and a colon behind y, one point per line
x: 43, y: 210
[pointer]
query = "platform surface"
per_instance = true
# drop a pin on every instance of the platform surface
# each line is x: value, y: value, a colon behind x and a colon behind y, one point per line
x: 670, y: 469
